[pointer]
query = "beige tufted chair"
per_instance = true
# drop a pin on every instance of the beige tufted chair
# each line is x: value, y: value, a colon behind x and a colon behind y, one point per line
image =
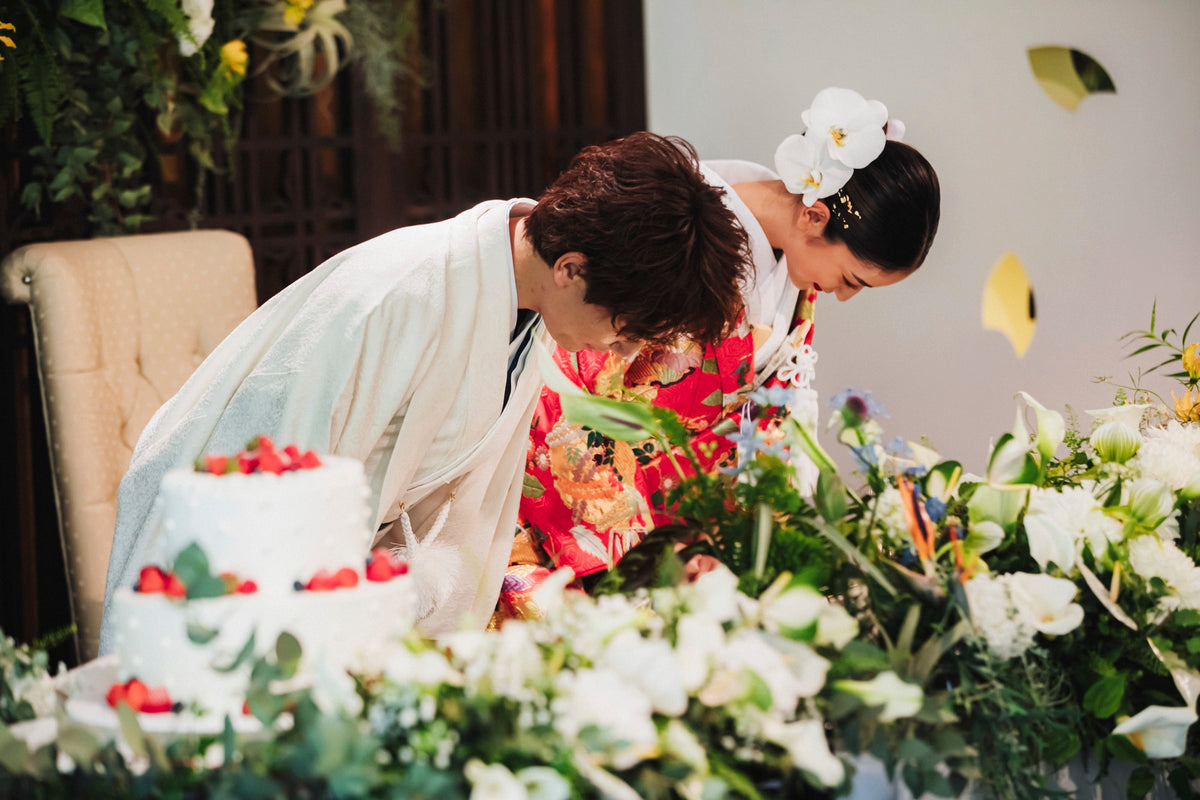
x: 118, y: 325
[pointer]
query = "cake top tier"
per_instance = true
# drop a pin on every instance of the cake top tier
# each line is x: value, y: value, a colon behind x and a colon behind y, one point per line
x: 275, y: 528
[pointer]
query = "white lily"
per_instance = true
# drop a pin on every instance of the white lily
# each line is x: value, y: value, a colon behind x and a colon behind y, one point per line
x: 1049, y: 601
x: 848, y: 125
x: 899, y: 698
x: 1159, y: 731
x: 1051, y: 428
x: 801, y: 162
x: 808, y: 748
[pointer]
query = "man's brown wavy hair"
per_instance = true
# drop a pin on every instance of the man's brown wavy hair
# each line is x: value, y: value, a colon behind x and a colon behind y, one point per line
x: 664, y: 253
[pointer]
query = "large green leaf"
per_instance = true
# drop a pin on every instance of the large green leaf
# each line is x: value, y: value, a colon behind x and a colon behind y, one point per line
x: 89, y: 12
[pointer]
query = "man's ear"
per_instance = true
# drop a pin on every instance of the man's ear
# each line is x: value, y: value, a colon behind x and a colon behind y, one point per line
x: 568, y: 268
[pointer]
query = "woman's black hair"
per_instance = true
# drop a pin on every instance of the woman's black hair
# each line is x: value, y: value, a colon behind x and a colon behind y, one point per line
x: 887, y: 213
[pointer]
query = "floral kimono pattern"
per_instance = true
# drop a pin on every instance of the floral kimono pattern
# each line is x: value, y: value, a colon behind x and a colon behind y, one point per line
x: 588, y: 499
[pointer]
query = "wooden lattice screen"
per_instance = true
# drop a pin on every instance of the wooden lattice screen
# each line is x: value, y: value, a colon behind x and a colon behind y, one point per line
x: 510, y: 90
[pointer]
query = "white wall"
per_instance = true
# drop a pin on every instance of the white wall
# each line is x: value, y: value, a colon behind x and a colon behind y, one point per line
x: 1101, y: 205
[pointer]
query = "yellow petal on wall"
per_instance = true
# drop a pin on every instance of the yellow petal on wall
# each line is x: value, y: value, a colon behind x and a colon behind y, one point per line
x: 1068, y: 75
x: 1008, y: 305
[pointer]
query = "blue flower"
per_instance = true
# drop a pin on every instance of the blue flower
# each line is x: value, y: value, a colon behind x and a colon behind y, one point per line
x: 899, y: 448
x: 772, y: 396
x: 856, y: 407
x: 865, y: 456
x: 936, y: 509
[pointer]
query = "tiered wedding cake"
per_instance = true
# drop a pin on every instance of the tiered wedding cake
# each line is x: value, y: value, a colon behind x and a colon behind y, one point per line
x: 254, y: 545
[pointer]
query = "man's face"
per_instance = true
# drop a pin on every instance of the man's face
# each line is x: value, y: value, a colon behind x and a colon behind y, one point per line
x: 577, y: 325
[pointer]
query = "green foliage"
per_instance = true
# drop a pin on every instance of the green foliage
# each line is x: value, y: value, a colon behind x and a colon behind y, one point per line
x: 103, y: 87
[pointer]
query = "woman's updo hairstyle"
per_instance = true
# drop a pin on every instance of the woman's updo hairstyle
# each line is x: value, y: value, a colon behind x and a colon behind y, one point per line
x: 887, y: 213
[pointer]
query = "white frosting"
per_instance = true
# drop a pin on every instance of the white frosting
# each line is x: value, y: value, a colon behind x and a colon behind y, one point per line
x: 275, y: 530
x: 344, y: 627
x: 272, y: 529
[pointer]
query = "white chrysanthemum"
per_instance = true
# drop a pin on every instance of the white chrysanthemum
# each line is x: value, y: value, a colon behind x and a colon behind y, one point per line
x: 1152, y: 557
x: 1002, y: 624
x: 1172, y: 455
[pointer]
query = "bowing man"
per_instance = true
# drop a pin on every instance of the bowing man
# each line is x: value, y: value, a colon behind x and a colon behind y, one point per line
x: 411, y: 353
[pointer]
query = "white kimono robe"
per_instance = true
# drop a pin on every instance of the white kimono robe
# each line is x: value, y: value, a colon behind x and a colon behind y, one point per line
x: 394, y: 352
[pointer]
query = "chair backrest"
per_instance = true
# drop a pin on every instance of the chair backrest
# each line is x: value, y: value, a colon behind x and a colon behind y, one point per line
x: 118, y: 325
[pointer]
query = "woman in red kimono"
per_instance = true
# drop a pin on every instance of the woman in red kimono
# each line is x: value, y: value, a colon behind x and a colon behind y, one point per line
x: 848, y: 209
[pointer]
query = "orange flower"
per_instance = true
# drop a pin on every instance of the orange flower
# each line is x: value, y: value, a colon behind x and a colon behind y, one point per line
x: 920, y: 527
x: 1187, y: 408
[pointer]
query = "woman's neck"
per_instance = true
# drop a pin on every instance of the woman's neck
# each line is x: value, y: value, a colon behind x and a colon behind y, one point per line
x: 772, y: 205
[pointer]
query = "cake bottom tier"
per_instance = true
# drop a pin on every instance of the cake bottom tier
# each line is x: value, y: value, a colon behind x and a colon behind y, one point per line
x: 342, y: 629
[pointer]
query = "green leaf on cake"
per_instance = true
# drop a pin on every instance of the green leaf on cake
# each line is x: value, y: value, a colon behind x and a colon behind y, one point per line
x: 191, y: 567
x: 287, y: 650
x: 199, y: 634
x: 245, y: 655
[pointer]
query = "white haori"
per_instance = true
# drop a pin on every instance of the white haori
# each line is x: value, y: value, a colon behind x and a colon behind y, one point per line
x: 394, y: 352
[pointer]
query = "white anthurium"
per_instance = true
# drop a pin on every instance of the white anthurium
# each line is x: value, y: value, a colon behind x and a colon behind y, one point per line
x: 898, y: 698
x: 983, y: 536
x: 1011, y: 463
x: 1151, y: 502
x: 1159, y: 731
x: 1115, y: 442
x: 807, y: 747
x: 786, y: 607
x: 849, y: 126
x: 544, y: 783
x: 493, y: 782
x: 942, y: 480
x: 807, y: 170
x: 1049, y: 602
x: 1051, y: 428
x: 1130, y: 414
x: 835, y: 626
x: 991, y: 504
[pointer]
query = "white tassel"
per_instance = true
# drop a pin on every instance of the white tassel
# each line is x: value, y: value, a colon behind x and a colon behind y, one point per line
x: 435, y: 567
